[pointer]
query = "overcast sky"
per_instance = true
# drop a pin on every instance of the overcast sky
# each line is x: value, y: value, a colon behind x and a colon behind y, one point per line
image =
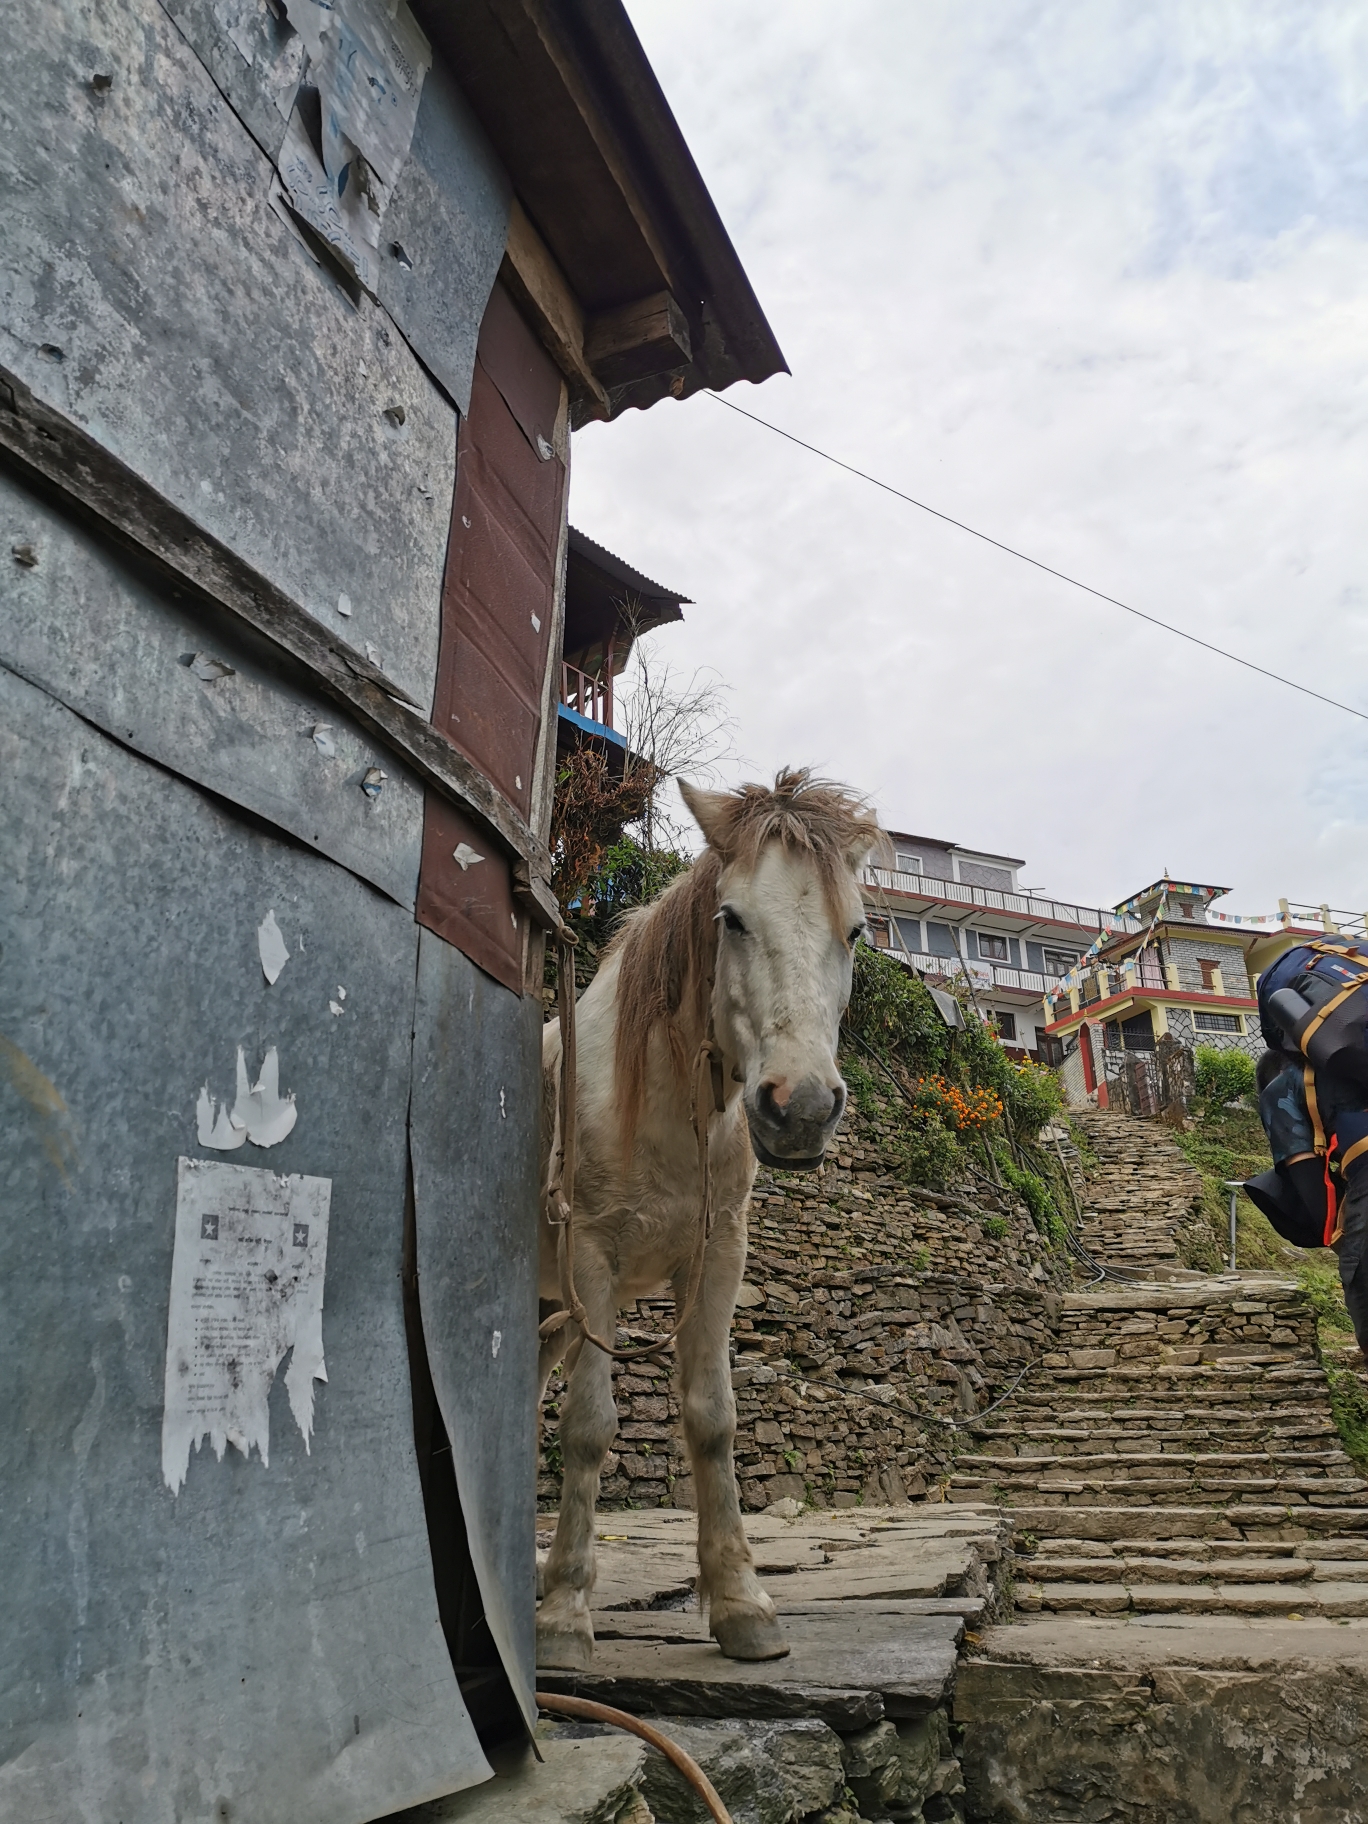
x: 1093, y: 278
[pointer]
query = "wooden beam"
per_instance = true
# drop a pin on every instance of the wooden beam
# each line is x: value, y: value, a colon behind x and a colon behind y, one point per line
x: 530, y: 272
x: 63, y: 460
x: 635, y: 341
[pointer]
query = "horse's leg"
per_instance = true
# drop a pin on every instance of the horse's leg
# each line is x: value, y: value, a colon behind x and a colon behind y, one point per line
x: 565, y: 1634
x: 741, y: 1617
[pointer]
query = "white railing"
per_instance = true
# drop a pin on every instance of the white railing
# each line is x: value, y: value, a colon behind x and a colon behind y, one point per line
x: 1056, y: 911
x: 984, y: 975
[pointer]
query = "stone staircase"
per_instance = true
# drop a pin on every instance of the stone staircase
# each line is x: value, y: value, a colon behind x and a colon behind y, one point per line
x: 1141, y: 1191
x: 1175, y: 1453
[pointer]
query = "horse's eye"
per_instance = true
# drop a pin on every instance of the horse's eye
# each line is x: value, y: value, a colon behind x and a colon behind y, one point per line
x: 732, y: 921
x: 856, y: 935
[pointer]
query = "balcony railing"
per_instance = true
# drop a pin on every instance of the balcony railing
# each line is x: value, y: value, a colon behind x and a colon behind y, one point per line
x: 985, y: 976
x: 589, y: 695
x: 1056, y: 911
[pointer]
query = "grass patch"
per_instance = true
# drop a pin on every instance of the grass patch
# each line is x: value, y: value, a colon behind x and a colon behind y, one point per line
x: 1229, y: 1143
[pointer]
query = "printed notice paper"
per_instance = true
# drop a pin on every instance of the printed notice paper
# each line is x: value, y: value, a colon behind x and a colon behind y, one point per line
x: 246, y: 1289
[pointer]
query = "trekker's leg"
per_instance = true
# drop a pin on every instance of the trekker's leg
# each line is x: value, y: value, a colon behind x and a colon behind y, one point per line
x: 565, y: 1634
x: 1353, y: 1257
x: 741, y: 1616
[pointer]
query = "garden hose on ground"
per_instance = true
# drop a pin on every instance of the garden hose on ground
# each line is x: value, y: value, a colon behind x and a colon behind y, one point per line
x: 585, y: 1710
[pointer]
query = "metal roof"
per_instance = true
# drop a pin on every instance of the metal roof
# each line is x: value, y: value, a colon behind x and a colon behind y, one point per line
x: 574, y: 110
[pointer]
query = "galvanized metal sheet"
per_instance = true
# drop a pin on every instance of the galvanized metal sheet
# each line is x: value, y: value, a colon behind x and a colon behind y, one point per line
x: 475, y: 1113
x: 153, y: 294
x: 444, y: 234
x: 264, y: 1645
x: 82, y: 622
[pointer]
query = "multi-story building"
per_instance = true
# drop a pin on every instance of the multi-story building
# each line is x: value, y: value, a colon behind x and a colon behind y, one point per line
x: 1186, y: 971
x: 1172, y: 973
x: 959, y: 915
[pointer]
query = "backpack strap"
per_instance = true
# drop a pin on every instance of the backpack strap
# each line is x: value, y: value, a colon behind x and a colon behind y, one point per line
x: 1323, y: 1013
x: 1313, y: 1108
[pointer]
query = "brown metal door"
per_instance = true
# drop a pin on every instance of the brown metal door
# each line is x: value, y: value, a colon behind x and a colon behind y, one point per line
x: 498, y: 598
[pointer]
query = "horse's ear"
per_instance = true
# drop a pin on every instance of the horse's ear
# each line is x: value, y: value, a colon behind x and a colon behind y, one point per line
x: 871, y: 848
x: 713, y: 812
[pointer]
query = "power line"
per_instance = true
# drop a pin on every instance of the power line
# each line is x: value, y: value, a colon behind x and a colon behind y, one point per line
x: 1036, y: 563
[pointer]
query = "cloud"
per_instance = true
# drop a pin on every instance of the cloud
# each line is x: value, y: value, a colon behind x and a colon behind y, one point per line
x: 1091, y: 279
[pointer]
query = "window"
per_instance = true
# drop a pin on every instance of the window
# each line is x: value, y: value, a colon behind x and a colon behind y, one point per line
x: 1210, y: 974
x: 908, y: 864
x: 992, y: 949
x: 1059, y: 962
x: 909, y: 929
x: 878, y: 932
x: 1217, y: 1022
x: 1005, y: 1023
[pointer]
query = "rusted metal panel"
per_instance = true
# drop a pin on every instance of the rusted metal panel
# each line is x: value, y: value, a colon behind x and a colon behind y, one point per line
x: 264, y: 1644
x: 476, y: 1089
x: 465, y: 894
x: 501, y: 602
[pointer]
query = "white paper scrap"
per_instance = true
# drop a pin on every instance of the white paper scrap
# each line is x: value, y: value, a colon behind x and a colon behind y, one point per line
x: 344, y: 600
x: 259, y: 1112
x: 333, y: 1008
x: 246, y: 1287
x: 323, y: 741
x: 464, y: 856
x: 271, y: 947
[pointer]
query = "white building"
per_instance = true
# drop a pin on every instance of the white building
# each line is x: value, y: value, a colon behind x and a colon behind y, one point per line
x: 950, y: 912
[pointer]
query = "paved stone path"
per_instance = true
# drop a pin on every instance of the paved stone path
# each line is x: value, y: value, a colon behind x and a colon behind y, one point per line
x: 1175, y: 1453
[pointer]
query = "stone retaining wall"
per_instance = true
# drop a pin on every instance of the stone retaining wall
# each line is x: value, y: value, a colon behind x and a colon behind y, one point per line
x: 868, y: 1315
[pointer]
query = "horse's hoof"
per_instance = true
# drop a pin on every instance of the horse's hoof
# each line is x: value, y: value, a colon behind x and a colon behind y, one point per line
x: 747, y: 1634
x: 565, y: 1649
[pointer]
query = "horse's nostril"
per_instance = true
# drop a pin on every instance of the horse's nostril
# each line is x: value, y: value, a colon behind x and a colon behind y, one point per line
x: 838, y: 1101
x: 773, y: 1098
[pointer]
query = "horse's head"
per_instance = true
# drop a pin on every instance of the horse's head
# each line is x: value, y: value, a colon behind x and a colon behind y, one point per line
x: 788, y: 914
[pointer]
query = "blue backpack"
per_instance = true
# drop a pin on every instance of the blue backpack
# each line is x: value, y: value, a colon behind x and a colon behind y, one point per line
x: 1313, y: 1006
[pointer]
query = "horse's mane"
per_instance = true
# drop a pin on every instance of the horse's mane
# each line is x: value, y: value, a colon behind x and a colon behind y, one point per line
x: 668, y: 949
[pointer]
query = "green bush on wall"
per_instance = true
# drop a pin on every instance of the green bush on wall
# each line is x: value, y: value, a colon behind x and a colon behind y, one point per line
x: 1223, y: 1076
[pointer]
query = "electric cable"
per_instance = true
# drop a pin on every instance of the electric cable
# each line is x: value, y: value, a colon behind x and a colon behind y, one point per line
x: 1038, y: 563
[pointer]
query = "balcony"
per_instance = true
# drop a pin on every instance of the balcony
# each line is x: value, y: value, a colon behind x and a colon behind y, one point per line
x: 586, y: 701
x: 987, y: 978
x: 1023, y: 905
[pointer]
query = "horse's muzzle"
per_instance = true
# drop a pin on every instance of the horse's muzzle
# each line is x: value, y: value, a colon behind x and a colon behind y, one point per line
x: 790, y: 1132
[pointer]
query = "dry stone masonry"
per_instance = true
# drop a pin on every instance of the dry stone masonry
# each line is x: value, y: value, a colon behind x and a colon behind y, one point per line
x: 874, y: 1318
x: 1141, y: 1194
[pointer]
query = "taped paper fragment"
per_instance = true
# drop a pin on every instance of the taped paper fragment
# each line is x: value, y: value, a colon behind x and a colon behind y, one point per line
x: 246, y: 1287
x: 271, y: 948
x: 323, y: 740
x: 464, y: 856
x: 341, y: 158
x: 259, y: 1112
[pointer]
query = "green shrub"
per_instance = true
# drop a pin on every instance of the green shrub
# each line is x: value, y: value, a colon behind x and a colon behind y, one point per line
x: 1033, y: 1098
x: 996, y: 1226
x: 1223, y: 1076
x: 1036, y: 1195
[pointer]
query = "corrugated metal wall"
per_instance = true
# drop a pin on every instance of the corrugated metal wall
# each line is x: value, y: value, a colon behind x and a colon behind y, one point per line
x: 265, y: 1643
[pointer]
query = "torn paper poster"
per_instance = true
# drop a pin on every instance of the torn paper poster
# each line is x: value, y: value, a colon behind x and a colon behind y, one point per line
x: 323, y: 740
x: 464, y: 856
x: 352, y: 125
x: 367, y: 59
x: 246, y: 1287
x: 259, y: 1112
x: 271, y: 948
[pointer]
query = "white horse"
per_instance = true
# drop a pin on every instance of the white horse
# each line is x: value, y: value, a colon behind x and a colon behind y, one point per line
x: 747, y: 955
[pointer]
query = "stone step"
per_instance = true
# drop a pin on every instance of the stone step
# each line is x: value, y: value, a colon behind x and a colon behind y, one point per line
x: 1182, y: 1570
x: 1229, y: 1599
x: 1081, y: 1461
x: 1041, y: 1520
x: 1335, y: 1552
x: 1323, y: 1489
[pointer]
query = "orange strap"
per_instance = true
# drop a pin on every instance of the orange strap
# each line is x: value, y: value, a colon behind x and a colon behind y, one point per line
x: 1313, y: 1107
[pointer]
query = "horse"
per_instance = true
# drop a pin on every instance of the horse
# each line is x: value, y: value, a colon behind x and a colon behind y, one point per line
x: 706, y: 1041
